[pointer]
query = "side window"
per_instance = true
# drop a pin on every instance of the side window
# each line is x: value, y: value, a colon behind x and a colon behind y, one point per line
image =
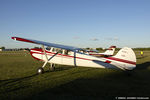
x: 60, y: 51
x: 67, y: 52
x: 55, y: 50
x: 48, y: 48
x: 82, y: 51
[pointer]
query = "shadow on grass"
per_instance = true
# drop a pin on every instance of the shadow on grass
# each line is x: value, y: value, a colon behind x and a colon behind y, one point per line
x: 9, y: 81
x: 106, y: 88
x: 144, y: 65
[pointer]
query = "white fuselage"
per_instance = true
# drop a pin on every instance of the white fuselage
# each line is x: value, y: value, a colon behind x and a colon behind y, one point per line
x: 73, y: 59
x: 81, y: 59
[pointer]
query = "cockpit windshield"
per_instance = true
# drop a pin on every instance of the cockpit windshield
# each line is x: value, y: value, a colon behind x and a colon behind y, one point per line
x: 61, y: 51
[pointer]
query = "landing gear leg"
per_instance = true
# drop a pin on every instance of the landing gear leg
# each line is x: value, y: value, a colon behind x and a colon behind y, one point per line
x: 52, y: 67
x: 41, y: 70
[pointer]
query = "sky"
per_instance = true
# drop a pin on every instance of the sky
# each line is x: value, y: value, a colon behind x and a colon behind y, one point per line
x: 79, y: 23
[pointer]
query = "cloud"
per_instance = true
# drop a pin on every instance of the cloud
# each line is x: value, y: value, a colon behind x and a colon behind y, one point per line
x: 76, y: 37
x: 94, y: 39
x: 116, y: 38
x: 113, y: 38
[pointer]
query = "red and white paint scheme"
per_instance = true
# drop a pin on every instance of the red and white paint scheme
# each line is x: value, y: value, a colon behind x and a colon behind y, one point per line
x: 125, y: 59
x: 109, y: 52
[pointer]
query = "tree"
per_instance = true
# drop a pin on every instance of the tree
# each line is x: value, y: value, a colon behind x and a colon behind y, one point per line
x: 3, y: 48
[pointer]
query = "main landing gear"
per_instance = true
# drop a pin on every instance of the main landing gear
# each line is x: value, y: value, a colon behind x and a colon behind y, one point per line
x: 52, y: 68
x: 41, y: 69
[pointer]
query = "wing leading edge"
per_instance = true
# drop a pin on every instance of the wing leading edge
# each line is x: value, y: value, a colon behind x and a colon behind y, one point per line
x: 46, y: 43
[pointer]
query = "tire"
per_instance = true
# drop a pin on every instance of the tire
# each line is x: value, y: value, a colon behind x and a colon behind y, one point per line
x: 40, y: 70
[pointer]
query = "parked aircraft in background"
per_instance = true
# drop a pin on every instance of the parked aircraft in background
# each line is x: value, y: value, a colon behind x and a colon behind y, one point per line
x: 109, y: 52
x: 125, y: 59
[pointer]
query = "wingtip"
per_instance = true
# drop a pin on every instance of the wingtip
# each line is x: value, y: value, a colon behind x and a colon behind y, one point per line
x: 14, y: 38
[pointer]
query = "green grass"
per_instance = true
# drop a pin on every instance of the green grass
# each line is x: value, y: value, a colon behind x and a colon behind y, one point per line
x: 18, y: 80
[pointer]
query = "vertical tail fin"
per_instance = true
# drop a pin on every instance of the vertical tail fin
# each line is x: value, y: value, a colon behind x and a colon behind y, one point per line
x: 127, y: 58
x: 110, y: 51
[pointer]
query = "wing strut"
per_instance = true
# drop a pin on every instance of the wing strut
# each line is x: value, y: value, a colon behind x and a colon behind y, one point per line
x: 75, y: 64
x: 45, y: 53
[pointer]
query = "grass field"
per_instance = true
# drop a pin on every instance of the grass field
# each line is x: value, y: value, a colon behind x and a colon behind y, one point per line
x: 18, y: 80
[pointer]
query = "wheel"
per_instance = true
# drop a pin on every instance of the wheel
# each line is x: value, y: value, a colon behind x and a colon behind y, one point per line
x: 40, y: 70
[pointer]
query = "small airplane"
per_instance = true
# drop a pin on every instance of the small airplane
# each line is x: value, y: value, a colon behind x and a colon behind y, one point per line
x: 125, y: 59
x: 109, y: 52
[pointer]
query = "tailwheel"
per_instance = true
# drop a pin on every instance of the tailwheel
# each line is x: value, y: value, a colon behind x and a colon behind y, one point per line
x: 40, y: 70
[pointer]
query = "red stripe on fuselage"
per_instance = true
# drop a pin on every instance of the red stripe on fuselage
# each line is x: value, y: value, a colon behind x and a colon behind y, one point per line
x: 52, y: 53
x: 121, y: 60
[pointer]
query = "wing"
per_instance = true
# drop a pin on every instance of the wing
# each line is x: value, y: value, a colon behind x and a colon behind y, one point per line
x: 46, y: 43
